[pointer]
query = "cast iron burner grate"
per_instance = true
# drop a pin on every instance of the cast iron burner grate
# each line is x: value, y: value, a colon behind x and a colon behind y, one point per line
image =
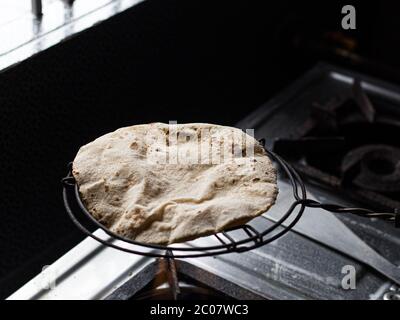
x: 350, y: 145
x: 225, y: 241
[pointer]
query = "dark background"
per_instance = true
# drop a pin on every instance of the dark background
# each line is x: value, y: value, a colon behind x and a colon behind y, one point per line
x: 190, y: 61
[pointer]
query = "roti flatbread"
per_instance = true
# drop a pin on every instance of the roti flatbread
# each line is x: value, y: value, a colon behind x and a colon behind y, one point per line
x: 161, y: 184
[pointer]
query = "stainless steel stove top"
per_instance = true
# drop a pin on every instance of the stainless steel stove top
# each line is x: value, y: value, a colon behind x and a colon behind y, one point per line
x: 309, y: 262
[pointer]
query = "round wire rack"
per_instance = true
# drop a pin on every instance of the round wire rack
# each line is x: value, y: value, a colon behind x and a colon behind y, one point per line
x: 223, y: 242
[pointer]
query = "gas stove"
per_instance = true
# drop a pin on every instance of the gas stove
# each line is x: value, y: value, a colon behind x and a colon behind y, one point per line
x: 338, y: 129
x: 349, y: 142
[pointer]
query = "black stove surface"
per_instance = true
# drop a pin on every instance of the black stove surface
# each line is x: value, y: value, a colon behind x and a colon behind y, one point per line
x: 344, y: 146
x: 306, y: 263
x: 344, y: 135
x: 350, y: 142
x: 310, y: 259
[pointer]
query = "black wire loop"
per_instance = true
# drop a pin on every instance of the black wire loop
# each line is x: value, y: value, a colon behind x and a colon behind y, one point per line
x: 225, y: 241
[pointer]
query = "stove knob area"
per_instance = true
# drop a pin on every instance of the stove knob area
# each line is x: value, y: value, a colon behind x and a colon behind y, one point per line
x: 392, y: 294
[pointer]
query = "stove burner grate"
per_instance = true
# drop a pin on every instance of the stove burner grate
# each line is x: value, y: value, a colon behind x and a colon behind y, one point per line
x: 225, y: 240
x: 349, y: 143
